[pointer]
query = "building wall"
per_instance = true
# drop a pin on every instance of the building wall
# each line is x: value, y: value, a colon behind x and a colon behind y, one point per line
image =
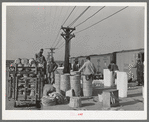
x: 127, y: 59
x: 101, y: 61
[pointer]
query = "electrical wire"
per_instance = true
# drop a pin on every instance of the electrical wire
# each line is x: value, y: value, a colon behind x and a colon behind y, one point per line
x: 90, y: 16
x: 63, y: 24
x: 79, y: 16
x: 59, y: 29
x: 60, y: 46
x: 69, y: 15
x: 101, y: 20
x: 58, y: 41
x: 54, y: 21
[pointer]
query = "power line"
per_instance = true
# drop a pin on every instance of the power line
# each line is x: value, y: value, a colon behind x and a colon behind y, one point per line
x: 60, y: 46
x: 69, y: 15
x: 90, y: 16
x: 59, y: 30
x: 54, y: 21
x: 79, y: 16
x: 102, y: 20
x: 58, y: 41
x: 63, y: 24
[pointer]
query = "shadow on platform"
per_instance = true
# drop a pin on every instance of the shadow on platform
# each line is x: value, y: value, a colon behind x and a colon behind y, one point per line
x: 134, y: 95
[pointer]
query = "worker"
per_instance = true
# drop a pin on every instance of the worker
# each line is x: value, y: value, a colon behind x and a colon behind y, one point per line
x: 41, y: 64
x: 88, y: 69
x: 75, y: 65
x: 113, y: 68
x: 51, y: 67
x: 140, y: 68
x: 40, y: 60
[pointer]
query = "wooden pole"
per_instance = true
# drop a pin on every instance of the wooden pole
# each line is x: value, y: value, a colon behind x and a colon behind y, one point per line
x: 67, y: 36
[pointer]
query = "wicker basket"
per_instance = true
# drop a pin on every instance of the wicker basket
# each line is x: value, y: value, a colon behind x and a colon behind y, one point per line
x: 48, y: 101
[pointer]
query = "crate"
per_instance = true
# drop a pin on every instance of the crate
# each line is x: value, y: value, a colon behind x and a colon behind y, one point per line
x: 110, y: 98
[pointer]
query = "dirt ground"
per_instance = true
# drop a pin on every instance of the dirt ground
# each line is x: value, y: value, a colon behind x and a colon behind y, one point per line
x: 134, y: 101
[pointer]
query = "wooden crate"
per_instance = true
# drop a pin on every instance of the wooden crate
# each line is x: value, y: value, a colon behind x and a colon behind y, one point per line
x: 110, y: 98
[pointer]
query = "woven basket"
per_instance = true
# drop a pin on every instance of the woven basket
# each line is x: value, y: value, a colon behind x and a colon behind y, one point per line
x: 48, y: 101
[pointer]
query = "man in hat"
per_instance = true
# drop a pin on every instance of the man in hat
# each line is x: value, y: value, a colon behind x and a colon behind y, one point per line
x: 51, y: 67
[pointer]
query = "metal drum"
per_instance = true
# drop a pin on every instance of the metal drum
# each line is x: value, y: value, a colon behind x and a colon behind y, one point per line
x: 65, y: 83
x: 75, y: 84
x: 87, y: 87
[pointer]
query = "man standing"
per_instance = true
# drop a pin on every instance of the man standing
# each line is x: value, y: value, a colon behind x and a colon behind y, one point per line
x: 140, y: 69
x: 88, y: 69
x: 113, y: 68
x: 51, y: 67
x: 40, y: 60
x: 41, y: 64
x: 75, y: 65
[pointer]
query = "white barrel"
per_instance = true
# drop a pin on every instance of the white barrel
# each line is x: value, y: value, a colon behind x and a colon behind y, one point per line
x: 108, y: 81
x: 65, y: 83
x: 24, y: 61
x: 122, y: 84
x: 75, y: 84
x: 17, y: 61
x: 87, y: 87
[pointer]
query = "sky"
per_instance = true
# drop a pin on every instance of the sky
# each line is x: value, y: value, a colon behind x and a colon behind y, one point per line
x: 30, y: 28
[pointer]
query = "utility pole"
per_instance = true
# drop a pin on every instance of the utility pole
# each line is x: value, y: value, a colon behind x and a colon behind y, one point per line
x: 50, y: 54
x: 67, y: 36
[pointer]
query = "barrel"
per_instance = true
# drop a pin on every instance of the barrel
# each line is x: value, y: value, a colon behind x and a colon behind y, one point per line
x: 32, y: 70
x: 17, y: 61
x: 20, y: 69
x: 20, y: 65
x: 65, y: 83
x: 26, y: 65
x: 24, y: 61
x: 75, y: 84
x: 75, y: 73
x: 31, y: 61
x: 87, y: 87
x: 57, y: 82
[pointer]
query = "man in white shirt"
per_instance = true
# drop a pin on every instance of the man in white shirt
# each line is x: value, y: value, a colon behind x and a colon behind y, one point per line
x: 88, y: 69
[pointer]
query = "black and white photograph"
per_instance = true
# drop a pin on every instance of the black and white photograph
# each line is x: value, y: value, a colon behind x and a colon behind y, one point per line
x: 74, y: 61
